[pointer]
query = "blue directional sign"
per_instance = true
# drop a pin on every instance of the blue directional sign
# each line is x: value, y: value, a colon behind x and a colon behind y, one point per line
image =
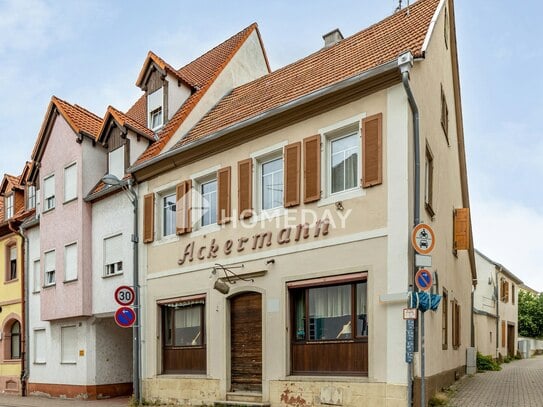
x: 125, y: 317
x: 423, y: 280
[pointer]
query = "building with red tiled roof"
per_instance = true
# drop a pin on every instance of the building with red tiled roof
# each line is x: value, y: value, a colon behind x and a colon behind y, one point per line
x: 276, y: 227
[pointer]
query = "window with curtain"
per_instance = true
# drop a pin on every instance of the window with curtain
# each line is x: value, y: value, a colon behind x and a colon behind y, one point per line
x: 330, y: 328
x: 168, y: 214
x: 344, y: 159
x: 271, y: 184
x: 208, y: 191
x: 183, y: 333
x: 15, y: 340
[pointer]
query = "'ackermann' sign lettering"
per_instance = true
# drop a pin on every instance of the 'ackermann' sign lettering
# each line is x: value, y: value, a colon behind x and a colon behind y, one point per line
x: 255, y: 242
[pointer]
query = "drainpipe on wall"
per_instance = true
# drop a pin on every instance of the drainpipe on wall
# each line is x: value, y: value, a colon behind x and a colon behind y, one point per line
x: 405, y: 63
x: 24, y: 372
x: 497, y: 291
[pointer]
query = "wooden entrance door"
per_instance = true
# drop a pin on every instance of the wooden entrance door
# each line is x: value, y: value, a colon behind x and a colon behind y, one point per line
x: 246, y: 342
x: 510, y: 340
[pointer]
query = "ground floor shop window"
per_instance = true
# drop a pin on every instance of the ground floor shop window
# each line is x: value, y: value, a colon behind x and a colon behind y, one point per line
x: 183, y: 323
x: 329, y: 325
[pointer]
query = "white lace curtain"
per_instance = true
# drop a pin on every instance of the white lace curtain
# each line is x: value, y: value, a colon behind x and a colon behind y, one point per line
x: 330, y: 301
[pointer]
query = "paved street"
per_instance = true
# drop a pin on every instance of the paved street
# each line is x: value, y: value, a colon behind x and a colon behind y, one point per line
x: 15, y: 401
x: 518, y: 384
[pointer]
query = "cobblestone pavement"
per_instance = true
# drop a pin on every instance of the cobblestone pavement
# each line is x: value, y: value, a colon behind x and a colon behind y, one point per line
x: 518, y: 384
x: 31, y: 401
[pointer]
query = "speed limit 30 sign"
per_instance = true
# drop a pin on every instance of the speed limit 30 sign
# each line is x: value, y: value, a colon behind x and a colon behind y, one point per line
x: 125, y: 295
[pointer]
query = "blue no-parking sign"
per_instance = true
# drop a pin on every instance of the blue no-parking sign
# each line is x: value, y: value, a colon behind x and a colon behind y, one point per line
x: 423, y: 280
x: 125, y: 317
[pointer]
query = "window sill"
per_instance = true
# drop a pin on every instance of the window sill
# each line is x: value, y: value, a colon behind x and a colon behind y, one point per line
x: 166, y: 239
x: 68, y: 363
x: 48, y: 210
x: 113, y: 275
x: 12, y: 361
x: 182, y: 376
x: 204, y: 230
x: 342, y: 196
x: 11, y: 281
x: 70, y: 281
x: 49, y: 285
x: 36, y: 291
x: 39, y: 363
x: 269, y: 214
x: 70, y: 200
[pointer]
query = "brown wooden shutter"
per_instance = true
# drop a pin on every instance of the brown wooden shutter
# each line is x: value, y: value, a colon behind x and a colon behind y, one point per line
x: 183, y: 207
x: 245, y: 188
x: 461, y: 229
x: 312, y: 168
x: 148, y: 218
x: 503, y: 333
x: 292, y: 175
x: 223, y: 198
x: 459, y: 329
x: 372, y: 154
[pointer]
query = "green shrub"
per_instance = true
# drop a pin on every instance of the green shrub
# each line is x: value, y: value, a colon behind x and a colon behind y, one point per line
x: 485, y: 363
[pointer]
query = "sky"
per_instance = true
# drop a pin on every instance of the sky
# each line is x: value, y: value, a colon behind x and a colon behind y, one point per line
x: 90, y: 53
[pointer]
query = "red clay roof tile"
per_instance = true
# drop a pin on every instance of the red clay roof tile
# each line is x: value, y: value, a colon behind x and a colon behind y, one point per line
x: 79, y: 118
x: 381, y: 43
x: 138, y: 111
x: 203, y: 71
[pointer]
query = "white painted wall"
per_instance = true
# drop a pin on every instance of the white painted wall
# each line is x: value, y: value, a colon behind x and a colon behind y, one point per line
x: 94, y: 165
x: 485, y: 297
x: 247, y: 65
x: 110, y: 216
x: 136, y: 147
x: 177, y: 94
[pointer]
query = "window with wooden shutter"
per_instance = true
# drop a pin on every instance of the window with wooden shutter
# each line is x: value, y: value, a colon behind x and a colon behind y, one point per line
x: 224, y: 199
x: 456, y: 327
x: 245, y: 188
x: 292, y: 174
x: 445, y: 320
x: 444, y: 115
x: 461, y: 229
x: 148, y: 218
x: 504, y: 333
x: 372, y: 155
x: 183, y: 207
x: 312, y: 168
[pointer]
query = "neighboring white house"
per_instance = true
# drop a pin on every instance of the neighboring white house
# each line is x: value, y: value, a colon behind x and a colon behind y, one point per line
x: 495, y: 308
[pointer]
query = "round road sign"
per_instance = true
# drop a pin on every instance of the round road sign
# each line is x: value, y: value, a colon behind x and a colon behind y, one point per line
x: 423, y: 279
x: 125, y: 317
x: 124, y: 295
x: 423, y: 238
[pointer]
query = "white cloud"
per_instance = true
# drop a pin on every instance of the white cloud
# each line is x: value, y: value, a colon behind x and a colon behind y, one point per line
x: 510, y: 234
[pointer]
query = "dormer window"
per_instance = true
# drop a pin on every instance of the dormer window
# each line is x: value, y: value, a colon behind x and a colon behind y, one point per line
x: 155, y: 109
x: 156, y: 118
x: 9, y: 206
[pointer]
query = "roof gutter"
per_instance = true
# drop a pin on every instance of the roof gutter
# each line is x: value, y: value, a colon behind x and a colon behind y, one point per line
x: 338, y: 86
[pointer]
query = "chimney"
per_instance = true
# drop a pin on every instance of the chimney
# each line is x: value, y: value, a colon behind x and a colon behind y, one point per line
x: 332, y: 38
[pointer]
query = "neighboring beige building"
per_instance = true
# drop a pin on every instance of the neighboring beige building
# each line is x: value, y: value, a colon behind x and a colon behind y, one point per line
x: 495, y: 308
x: 277, y: 211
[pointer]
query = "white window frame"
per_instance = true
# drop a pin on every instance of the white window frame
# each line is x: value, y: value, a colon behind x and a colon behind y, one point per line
x: 116, y: 270
x: 66, y: 168
x: 336, y: 131
x: 31, y: 202
x: 160, y: 193
x: 9, y: 202
x: 46, y: 207
x: 199, y: 178
x: 162, y: 197
x: 65, y: 359
x: 261, y: 157
x: 36, y: 361
x: 36, y: 276
x: 158, y: 112
x: 76, y: 261
x: 49, y: 272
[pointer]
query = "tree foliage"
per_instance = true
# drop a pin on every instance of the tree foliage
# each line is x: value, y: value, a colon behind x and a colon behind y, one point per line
x: 530, y: 315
